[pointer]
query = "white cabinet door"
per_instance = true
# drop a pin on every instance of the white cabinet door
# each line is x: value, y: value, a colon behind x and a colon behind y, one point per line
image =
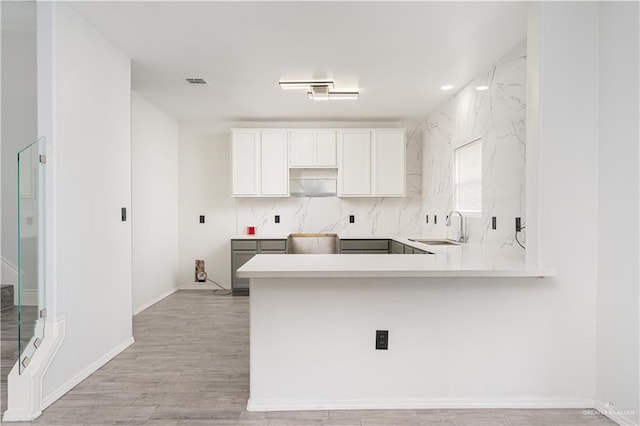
x: 313, y: 148
x: 354, y: 168
x: 302, y: 148
x: 274, y: 163
x: 245, y: 162
x: 388, y: 162
x: 325, y: 148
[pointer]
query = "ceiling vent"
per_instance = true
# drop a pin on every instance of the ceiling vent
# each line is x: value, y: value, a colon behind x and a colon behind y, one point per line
x: 197, y: 81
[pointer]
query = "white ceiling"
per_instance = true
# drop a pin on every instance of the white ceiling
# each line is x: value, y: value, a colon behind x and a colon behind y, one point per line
x: 397, y: 54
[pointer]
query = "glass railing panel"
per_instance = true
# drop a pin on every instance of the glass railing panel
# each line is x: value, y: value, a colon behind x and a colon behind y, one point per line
x: 30, y: 289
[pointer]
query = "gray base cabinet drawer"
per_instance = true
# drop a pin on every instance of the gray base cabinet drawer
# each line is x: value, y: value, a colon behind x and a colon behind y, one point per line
x: 273, y: 245
x: 244, y: 245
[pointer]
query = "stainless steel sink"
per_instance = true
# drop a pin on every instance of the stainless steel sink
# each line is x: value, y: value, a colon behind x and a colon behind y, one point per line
x: 438, y: 242
x: 313, y: 244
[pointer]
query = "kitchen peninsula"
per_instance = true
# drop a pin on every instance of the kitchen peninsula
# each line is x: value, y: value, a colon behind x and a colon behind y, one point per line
x: 314, y: 320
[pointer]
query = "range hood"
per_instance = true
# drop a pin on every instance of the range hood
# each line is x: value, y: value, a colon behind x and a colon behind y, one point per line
x: 313, y: 182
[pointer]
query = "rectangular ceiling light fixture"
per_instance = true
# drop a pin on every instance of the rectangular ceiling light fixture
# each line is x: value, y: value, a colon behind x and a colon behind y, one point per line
x: 344, y: 96
x: 305, y: 84
x: 318, y: 93
x: 323, y: 94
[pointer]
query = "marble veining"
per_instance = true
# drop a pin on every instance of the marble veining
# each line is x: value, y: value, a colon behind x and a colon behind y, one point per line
x: 496, y: 115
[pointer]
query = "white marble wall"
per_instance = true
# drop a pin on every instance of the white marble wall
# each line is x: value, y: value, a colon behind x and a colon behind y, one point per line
x: 498, y: 117
x: 373, y: 216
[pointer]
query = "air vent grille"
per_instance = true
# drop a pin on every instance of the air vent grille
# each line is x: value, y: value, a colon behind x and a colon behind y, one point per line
x: 197, y: 81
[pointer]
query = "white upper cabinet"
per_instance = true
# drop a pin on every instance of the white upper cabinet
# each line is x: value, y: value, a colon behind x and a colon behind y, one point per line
x: 274, y: 167
x: 259, y: 163
x: 354, y: 163
x: 313, y: 148
x: 388, y: 160
x: 371, y: 163
x: 245, y: 163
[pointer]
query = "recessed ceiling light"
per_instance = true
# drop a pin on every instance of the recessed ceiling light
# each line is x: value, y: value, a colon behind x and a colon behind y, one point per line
x: 446, y: 87
x: 304, y: 84
x: 482, y: 88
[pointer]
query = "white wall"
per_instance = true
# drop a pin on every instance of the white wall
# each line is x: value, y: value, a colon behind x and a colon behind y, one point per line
x: 568, y: 188
x: 618, y: 278
x: 205, y: 189
x: 453, y: 343
x: 18, y: 111
x: 154, y: 210
x: 497, y: 116
x: 90, y: 150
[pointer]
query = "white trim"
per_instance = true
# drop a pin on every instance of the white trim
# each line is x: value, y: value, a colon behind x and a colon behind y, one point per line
x: 92, y: 368
x: 9, y: 275
x: 29, y: 297
x: 20, y: 416
x: 412, y: 404
x: 153, y: 301
x: 24, y: 393
x: 11, y: 270
x: 614, y: 414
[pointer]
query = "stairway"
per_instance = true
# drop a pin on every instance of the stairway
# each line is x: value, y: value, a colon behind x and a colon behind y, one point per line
x: 6, y: 296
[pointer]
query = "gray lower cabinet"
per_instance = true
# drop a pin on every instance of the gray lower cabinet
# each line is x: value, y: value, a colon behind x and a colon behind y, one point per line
x: 364, y: 246
x: 396, y: 247
x: 242, y: 251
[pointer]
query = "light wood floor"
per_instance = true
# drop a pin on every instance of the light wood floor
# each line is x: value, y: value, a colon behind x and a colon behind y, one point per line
x: 190, y: 366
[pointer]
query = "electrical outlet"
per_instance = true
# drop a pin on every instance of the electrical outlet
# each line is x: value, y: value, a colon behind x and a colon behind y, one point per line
x: 277, y: 218
x: 494, y: 224
x: 352, y: 219
x: 518, y: 224
x: 201, y: 218
x: 382, y: 340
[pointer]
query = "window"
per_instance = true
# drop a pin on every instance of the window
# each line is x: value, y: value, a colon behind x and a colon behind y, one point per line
x: 467, y: 183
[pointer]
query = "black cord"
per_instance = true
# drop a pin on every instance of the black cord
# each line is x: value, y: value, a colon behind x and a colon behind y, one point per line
x: 518, y: 241
x: 222, y: 291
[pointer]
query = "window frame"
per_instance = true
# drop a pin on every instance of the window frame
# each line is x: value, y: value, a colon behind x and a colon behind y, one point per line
x: 455, y: 181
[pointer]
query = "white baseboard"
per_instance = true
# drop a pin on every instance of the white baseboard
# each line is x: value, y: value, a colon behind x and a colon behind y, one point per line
x: 411, y: 404
x: 152, y: 302
x: 614, y: 414
x: 200, y: 286
x: 74, y: 381
x: 20, y: 416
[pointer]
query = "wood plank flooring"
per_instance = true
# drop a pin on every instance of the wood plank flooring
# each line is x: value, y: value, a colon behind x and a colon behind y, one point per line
x: 190, y: 366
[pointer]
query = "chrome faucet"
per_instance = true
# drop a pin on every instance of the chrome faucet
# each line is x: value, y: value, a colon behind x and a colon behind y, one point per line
x: 462, y: 238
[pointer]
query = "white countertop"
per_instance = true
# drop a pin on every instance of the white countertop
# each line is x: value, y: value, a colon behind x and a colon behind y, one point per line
x: 463, y: 260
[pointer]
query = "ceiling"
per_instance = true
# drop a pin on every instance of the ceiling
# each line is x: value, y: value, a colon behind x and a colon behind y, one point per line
x: 397, y: 54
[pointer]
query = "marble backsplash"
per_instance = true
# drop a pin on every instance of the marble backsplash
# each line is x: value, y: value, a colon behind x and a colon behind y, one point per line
x: 373, y: 216
x: 497, y: 115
